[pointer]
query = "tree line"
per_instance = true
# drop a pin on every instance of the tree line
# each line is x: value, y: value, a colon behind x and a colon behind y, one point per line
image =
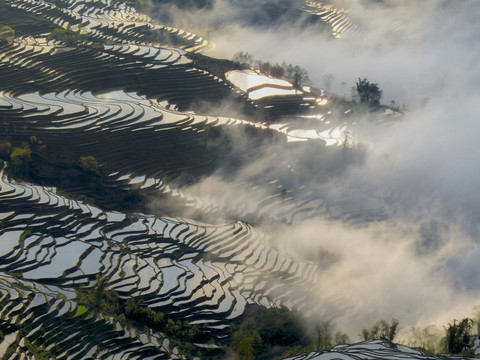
x: 297, y: 75
x: 270, y: 333
x: 279, y: 333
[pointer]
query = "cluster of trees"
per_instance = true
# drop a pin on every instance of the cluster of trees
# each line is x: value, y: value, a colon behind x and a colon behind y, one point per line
x: 183, y: 334
x: 28, y: 159
x: 367, y: 93
x: 99, y: 297
x: 364, y: 91
x: 295, y: 74
x: 324, y: 337
x: 19, y: 156
x: 268, y: 333
x: 68, y: 36
x: 280, y: 333
x: 18, y: 152
x: 273, y: 332
x: 133, y: 313
x: 458, y: 336
x: 381, y: 329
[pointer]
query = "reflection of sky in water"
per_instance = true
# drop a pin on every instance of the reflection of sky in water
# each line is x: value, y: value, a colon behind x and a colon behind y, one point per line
x: 334, y: 135
x: 66, y: 257
x: 268, y: 91
x: 8, y: 241
x: 248, y: 79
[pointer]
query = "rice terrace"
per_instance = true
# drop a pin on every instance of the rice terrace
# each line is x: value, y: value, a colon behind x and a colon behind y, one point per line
x: 226, y: 179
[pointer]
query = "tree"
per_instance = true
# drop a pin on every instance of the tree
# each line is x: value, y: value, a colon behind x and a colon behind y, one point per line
x: 277, y: 71
x: 268, y: 330
x: 247, y: 346
x: 425, y: 338
x: 265, y: 67
x: 341, y: 338
x: 280, y: 326
x: 89, y: 163
x: 300, y: 76
x: 368, y: 93
x: 458, y: 335
x: 323, y: 335
x: 288, y: 70
x: 243, y: 58
x: 476, y: 318
x: 381, y: 329
x: 20, y: 157
x: 296, y: 74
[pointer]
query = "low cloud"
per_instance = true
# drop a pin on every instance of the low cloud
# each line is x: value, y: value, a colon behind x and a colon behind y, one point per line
x: 375, y: 272
x: 419, y: 260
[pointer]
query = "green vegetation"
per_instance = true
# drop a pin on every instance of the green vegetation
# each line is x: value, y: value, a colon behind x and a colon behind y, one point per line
x: 324, y: 339
x: 267, y: 333
x: 68, y: 36
x: 458, y: 335
x: 81, y: 310
x: 20, y: 158
x: 6, y: 33
x: 280, y: 333
x: 99, y: 297
x: 381, y: 329
x: 368, y: 93
x: 29, y: 161
x: 131, y: 312
x: 182, y: 333
x: 426, y: 339
x: 89, y: 163
x: 24, y: 23
x: 277, y: 333
x: 38, y: 352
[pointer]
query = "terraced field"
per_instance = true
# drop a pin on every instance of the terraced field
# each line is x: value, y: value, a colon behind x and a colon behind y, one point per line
x: 336, y: 18
x: 191, y: 271
x: 133, y: 99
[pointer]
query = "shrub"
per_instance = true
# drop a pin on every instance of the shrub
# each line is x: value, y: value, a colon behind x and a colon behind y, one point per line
x: 424, y: 338
x: 341, y: 338
x: 247, y: 346
x: 89, y: 163
x: 20, y: 156
x: 68, y: 36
